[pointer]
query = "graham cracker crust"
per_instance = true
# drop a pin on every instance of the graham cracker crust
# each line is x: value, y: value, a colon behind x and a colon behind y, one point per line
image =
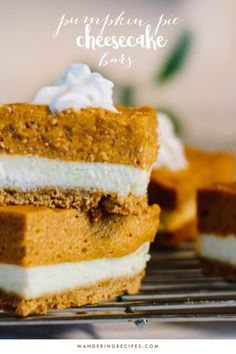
x: 104, y: 290
x: 223, y: 269
x: 80, y: 199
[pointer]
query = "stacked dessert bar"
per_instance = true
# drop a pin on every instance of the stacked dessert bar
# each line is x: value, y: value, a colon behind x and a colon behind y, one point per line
x: 75, y: 225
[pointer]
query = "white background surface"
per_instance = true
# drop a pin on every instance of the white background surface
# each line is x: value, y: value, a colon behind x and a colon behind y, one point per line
x: 203, y: 95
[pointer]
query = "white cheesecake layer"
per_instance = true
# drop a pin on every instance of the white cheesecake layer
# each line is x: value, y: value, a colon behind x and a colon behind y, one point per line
x: 218, y: 248
x: 30, y: 172
x: 39, y: 280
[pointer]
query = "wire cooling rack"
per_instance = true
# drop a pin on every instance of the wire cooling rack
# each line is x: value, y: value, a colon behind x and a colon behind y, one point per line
x: 174, y: 289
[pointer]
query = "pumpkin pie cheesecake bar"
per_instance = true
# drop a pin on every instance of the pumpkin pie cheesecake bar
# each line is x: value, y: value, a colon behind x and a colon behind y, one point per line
x: 216, y: 243
x: 71, y: 148
x: 175, y: 178
x: 57, y: 258
x: 66, y: 158
x: 175, y: 192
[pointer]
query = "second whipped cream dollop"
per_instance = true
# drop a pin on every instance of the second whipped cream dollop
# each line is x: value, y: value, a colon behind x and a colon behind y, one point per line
x: 77, y: 88
x: 171, y: 152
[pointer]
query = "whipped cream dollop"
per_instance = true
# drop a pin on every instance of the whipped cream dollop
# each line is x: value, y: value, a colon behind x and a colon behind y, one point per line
x: 77, y: 88
x: 171, y: 152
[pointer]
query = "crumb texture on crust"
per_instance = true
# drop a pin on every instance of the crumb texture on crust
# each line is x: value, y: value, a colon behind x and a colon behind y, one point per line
x: 39, y: 236
x: 101, y: 291
x: 88, y: 135
x: 80, y: 199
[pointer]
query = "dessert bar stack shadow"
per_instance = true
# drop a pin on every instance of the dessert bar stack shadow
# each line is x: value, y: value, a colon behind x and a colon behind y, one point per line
x: 75, y: 225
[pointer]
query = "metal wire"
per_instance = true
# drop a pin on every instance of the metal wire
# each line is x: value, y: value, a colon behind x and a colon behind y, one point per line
x: 175, y: 289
